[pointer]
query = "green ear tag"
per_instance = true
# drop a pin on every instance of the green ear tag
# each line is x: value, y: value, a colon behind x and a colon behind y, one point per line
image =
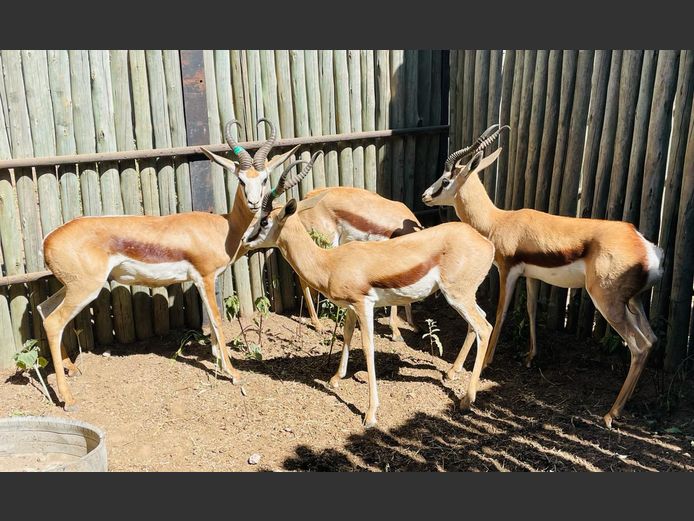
x: 238, y: 149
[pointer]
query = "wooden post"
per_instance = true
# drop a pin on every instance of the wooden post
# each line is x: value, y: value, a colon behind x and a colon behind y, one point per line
x: 355, y: 115
x: 535, y: 129
x: 493, y: 110
x: 673, y: 188
x: 411, y: 119
x: 505, y: 119
x: 513, y: 139
x: 328, y: 115
x: 369, y: 117
x: 397, y: 120
x: 301, y: 121
x: 659, y: 127
x: 631, y: 200
x: 425, y: 94
x: 313, y: 94
x: 384, y: 152
x: 523, y: 125
x: 598, y: 160
x: 683, y: 269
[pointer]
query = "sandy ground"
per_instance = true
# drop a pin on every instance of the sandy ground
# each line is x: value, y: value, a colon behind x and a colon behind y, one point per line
x: 162, y: 414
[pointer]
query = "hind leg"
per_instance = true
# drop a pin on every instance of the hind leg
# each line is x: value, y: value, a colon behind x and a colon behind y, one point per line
x: 617, y: 313
x: 47, y: 307
x: 466, y: 305
x: 347, y: 331
x: 77, y: 296
x: 457, y: 366
x: 410, y: 320
x: 308, y: 298
x: 397, y: 337
x: 532, y: 286
x: 636, y: 306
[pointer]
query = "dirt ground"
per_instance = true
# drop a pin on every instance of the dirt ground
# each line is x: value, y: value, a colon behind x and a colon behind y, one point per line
x: 162, y: 414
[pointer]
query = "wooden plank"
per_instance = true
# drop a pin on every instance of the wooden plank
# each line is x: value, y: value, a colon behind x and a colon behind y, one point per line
x: 535, y: 128
x: 328, y: 115
x: 683, y: 269
x: 143, y: 305
x: 397, y: 120
x: 343, y: 119
x: 313, y: 95
x: 505, y: 119
x: 493, y: 111
x: 162, y: 299
x: 673, y: 188
x: 70, y: 204
x: 384, y: 151
x: 597, y: 164
x: 659, y: 126
x: 468, y: 98
x: 355, y: 115
x: 606, y: 64
x: 568, y: 81
x: 524, y: 113
x: 175, y: 106
x: 433, y: 170
x: 411, y: 120
x: 513, y: 140
x: 568, y: 202
x: 369, y: 117
x: 21, y: 142
x: 425, y: 93
x: 453, y: 94
x: 300, y: 101
x: 631, y: 200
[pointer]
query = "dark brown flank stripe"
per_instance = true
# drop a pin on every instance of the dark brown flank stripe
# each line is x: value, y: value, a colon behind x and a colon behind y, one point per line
x: 406, y: 278
x: 550, y: 259
x: 146, y: 252
x: 362, y: 224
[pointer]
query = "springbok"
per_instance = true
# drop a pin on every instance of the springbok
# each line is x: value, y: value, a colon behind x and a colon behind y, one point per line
x: 345, y: 214
x: 611, y: 259
x: 451, y: 257
x: 153, y: 251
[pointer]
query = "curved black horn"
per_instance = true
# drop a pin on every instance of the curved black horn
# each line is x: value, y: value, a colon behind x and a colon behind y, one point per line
x: 245, y: 160
x: 261, y: 155
x: 488, y: 137
x: 288, y: 180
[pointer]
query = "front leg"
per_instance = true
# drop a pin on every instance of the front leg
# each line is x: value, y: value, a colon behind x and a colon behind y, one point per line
x: 507, y: 281
x: 308, y: 298
x: 206, y: 288
x: 347, y: 331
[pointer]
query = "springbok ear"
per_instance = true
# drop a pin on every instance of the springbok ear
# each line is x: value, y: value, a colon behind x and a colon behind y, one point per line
x: 484, y: 162
x: 309, y: 203
x: 278, y: 160
x: 228, y: 164
x: 288, y: 210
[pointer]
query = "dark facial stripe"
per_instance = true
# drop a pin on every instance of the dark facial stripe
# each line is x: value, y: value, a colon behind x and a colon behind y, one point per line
x: 145, y: 252
x: 406, y: 278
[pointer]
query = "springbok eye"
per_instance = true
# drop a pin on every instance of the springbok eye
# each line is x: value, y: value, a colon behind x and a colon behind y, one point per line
x: 445, y: 182
x: 263, y: 222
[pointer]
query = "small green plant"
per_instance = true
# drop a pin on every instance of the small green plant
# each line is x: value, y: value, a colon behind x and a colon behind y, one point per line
x: 432, y: 336
x: 327, y: 309
x: 611, y: 341
x: 232, y: 309
x: 30, y: 358
x: 191, y: 335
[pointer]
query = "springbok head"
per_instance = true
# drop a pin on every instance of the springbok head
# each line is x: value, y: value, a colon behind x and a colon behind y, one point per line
x: 253, y: 172
x: 459, y: 166
x: 265, y: 230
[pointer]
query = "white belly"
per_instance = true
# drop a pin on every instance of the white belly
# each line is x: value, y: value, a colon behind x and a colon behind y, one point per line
x: 570, y: 276
x: 348, y: 233
x: 406, y: 294
x: 129, y: 271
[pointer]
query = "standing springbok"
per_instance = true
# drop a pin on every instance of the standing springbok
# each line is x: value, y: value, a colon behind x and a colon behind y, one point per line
x: 611, y: 259
x: 153, y: 251
x: 345, y: 214
x: 452, y: 257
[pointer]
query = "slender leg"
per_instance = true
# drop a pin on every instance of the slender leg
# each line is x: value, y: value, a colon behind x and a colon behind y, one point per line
x: 347, y: 331
x: 365, y: 313
x: 470, y: 311
x: 47, y: 307
x: 207, y: 293
x: 76, y: 299
x: 457, y: 366
x: 636, y: 304
x: 410, y: 320
x: 532, y: 285
x: 621, y: 319
x: 308, y: 298
x: 507, y: 281
x: 397, y: 337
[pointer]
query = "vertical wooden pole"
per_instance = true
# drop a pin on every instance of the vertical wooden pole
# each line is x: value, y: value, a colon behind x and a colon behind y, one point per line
x: 313, y: 94
x: 411, y: 120
x: 328, y: 115
x: 524, y: 115
x: 397, y: 120
x: 504, y: 119
x: 355, y: 115
x: 369, y: 117
x: 385, y: 175
x: 513, y: 139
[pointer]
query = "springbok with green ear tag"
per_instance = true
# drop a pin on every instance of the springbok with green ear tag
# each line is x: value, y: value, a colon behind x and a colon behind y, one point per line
x: 359, y: 276
x: 153, y: 251
x: 611, y: 259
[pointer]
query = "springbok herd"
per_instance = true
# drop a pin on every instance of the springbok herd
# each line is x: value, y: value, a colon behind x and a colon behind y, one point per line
x: 382, y: 256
